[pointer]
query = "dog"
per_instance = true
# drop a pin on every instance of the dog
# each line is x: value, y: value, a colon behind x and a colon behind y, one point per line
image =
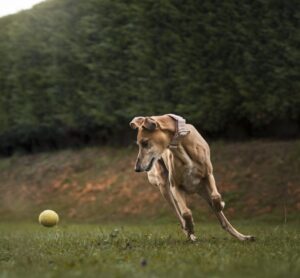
x: 177, y: 160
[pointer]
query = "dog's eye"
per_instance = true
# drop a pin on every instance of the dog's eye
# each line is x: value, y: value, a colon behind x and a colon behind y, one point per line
x: 145, y: 144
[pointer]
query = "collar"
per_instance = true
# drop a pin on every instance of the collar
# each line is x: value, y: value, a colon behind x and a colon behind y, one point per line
x: 181, y: 130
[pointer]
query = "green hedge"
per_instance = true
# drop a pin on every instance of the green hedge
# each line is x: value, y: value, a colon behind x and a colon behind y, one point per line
x: 88, y: 66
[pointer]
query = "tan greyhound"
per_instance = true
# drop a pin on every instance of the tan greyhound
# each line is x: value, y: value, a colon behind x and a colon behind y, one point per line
x: 177, y: 160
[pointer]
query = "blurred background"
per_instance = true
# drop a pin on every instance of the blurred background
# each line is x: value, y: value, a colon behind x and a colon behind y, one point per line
x: 73, y: 73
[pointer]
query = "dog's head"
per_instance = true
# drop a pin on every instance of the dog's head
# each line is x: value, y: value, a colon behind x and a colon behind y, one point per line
x: 153, y: 138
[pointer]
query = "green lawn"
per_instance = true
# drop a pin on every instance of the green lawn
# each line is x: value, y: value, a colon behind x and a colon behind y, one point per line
x: 148, y: 250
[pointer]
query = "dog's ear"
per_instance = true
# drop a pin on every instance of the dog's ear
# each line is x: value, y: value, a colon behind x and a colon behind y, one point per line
x: 137, y: 122
x: 144, y: 122
x: 149, y: 124
x: 166, y: 123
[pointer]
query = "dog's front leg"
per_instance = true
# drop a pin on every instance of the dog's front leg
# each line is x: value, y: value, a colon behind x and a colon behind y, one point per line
x: 179, y: 202
x: 166, y: 193
x: 159, y: 176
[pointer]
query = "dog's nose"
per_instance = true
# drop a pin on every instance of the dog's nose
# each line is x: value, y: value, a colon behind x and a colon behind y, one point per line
x: 137, y: 169
x: 137, y: 166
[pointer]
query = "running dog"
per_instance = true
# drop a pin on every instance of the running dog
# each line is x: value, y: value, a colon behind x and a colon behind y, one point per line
x: 177, y: 161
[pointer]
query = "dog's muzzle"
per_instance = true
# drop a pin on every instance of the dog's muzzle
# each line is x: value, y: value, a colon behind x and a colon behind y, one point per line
x: 150, y: 164
x: 138, y: 167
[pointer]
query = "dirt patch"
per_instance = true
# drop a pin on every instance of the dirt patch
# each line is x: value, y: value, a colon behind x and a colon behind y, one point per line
x: 255, y: 178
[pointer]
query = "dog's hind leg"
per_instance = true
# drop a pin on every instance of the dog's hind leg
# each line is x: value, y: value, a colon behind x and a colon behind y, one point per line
x: 216, y: 198
x: 222, y: 218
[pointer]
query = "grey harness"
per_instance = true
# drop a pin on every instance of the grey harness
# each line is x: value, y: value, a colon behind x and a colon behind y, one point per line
x: 180, y: 130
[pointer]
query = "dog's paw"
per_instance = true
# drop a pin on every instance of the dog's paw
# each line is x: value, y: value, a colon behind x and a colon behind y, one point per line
x: 192, y: 238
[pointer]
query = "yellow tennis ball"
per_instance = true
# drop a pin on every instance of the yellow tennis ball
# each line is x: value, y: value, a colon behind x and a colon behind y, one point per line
x: 48, y: 218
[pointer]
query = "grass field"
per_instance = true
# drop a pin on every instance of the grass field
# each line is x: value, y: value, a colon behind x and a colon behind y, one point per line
x: 84, y: 187
x: 148, y: 250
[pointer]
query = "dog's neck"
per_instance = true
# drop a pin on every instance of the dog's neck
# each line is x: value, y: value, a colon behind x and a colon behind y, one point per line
x: 180, y: 154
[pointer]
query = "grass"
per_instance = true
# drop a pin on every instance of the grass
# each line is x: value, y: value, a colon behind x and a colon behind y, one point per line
x: 148, y: 250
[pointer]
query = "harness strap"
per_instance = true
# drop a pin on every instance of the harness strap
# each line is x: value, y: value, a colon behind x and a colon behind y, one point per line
x: 180, y: 130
